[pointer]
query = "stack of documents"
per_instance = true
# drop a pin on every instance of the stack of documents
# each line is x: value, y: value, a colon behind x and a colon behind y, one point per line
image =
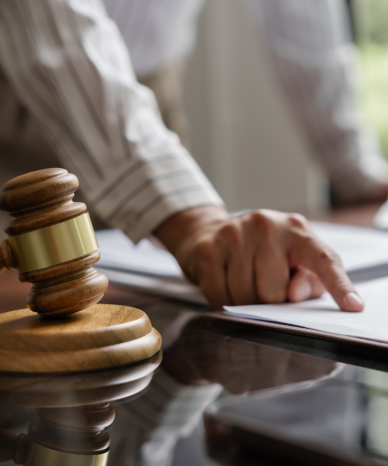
x: 148, y: 268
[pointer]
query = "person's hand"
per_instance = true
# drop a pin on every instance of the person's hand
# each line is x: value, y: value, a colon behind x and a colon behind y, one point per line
x: 262, y: 256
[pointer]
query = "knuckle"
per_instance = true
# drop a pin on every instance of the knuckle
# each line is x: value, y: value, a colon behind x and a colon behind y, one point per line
x: 298, y: 221
x: 231, y: 235
x: 304, y: 238
x: 258, y: 217
x: 344, y: 284
x: 263, y: 225
x: 205, y: 251
x: 327, y: 257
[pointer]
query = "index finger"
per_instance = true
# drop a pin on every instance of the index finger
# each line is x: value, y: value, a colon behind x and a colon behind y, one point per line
x: 311, y: 253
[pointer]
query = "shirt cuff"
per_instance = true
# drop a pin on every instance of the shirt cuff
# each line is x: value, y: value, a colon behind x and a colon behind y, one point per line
x: 168, y: 203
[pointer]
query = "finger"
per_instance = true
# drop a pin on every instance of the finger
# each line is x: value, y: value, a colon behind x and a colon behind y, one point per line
x: 240, y: 280
x: 303, y: 285
x: 272, y: 275
x: 209, y: 271
x: 213, y: 286
x: 311, y: 253
x: 240, y: 264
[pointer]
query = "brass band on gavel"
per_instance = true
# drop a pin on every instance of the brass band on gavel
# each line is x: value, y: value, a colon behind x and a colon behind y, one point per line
x: 53, y: 245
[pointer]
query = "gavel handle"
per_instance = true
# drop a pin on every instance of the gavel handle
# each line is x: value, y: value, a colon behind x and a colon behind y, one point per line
x: 6, y: 260
x: 13, y: 447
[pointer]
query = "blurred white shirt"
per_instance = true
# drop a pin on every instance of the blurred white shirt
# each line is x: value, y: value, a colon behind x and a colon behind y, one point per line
x: 315, y: 62
x: 157, y: 32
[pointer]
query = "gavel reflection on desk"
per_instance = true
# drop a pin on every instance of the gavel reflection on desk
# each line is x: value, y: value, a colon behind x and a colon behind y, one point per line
x: 73, y: 412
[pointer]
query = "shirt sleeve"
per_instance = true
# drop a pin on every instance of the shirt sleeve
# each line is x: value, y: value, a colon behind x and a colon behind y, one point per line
x: 71, y: 69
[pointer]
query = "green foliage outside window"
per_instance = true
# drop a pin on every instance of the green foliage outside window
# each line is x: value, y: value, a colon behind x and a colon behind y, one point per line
x: 372, y: 39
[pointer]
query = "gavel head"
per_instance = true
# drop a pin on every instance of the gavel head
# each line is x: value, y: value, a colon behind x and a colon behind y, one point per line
x: 51, y: 242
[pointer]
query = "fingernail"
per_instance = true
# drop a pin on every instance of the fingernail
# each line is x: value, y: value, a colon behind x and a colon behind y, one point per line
x: 353, y: 303
x: 303, y: 291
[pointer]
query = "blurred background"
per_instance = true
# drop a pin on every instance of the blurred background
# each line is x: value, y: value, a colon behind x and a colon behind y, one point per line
x: 243, y: 130
x: 281, y: 102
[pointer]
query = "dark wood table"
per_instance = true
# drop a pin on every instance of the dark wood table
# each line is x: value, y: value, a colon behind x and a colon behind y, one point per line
x: 204, y: 359
x: 361, y: 216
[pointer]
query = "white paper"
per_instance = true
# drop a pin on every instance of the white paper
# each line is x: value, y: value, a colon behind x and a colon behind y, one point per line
x: 118, y: 252
x: 324, y: 314
x: 181, y: 290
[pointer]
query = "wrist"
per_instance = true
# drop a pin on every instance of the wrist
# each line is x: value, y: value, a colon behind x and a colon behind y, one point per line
x: 187, y: 224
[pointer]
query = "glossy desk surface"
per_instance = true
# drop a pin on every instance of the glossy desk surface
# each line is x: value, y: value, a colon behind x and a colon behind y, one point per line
x: 204, y: 359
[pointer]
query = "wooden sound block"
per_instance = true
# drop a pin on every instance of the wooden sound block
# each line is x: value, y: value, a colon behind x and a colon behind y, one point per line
x: 99, y: 337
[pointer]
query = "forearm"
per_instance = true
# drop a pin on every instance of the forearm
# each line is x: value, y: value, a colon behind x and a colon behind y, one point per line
x: 69, y: 66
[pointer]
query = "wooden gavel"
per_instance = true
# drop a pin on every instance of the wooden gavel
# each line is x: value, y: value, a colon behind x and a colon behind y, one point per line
x: 51, y: 243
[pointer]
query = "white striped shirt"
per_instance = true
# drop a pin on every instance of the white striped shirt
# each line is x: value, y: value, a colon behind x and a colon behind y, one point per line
x: 69, y: 66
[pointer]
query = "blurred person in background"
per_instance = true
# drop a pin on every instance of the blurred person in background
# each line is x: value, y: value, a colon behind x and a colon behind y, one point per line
x: 69, y: 97
x: 309, y: 44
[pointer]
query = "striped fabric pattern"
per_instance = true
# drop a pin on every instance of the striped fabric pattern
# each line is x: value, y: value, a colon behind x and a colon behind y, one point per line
x: 69, y: 66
